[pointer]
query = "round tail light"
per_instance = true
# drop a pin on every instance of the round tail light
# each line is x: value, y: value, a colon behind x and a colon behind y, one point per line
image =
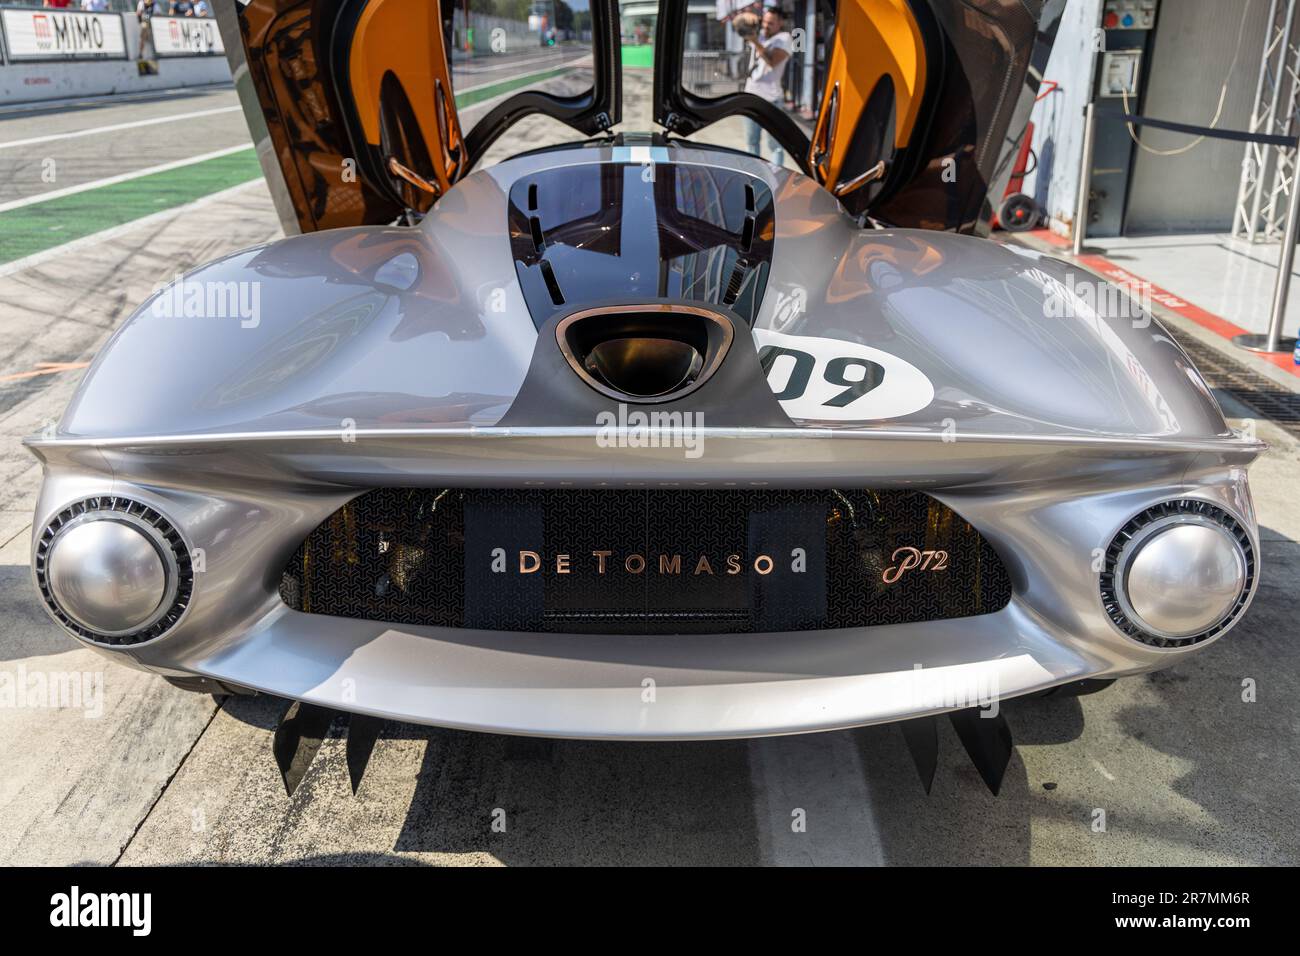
x: 1178, y: 574
x: 113, y: 571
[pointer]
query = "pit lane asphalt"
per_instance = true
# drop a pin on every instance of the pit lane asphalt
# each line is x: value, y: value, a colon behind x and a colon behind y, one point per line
x: 1184, y: 770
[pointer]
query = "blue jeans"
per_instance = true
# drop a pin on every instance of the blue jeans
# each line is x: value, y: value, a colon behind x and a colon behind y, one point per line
x: 753, y: 131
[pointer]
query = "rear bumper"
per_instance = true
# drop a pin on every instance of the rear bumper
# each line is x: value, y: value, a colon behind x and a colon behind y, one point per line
x: 1046, y: 519
x: 653, y: 688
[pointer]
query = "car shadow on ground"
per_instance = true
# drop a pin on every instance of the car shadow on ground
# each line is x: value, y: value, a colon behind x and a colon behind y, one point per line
x: 1184, y: 769
x: 585, y: 802
x: 526, y: 800
x: 27, y: 630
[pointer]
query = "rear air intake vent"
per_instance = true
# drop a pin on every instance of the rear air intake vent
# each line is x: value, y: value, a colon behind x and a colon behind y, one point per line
x: 747, y: 230
x: 735, y: 283
x: 747, y: 234
x: 552, y: 283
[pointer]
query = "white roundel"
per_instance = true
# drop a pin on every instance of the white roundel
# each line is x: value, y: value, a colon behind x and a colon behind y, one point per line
x: 833, y: 380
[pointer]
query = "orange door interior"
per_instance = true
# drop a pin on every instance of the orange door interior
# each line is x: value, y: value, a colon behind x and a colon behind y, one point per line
x: 400, y: 83
x: 871, y: 107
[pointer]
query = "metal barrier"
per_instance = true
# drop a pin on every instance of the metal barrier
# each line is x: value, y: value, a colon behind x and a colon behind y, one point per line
x: 714, y: 72
x: 1272, y: 340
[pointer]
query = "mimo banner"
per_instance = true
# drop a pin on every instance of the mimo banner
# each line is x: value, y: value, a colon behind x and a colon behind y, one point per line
x: 36, y: 34
x: 186, y: 36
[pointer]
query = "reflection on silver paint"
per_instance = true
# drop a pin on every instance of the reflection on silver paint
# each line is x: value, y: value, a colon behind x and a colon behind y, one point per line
x: 383, y: 326
x: 1048, y: 435
x: 392, y: 327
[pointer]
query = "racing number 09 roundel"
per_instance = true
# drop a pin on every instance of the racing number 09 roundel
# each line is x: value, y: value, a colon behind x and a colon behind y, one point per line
x: 817, y: 378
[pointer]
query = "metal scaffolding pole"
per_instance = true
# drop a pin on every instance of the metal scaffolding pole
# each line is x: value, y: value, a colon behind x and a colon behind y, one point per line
x: 1272, y: 340
x: 1268, y: 199
x: 1085, y: 178
x: 1268, y: 172
x: 1253, y: 162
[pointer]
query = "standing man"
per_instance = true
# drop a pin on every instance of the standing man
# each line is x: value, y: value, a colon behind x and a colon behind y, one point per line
x: 144, y: 12
x: 771, y: 54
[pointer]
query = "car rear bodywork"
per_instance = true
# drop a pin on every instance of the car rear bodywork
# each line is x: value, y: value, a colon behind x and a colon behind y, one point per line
x: 1033, y: 424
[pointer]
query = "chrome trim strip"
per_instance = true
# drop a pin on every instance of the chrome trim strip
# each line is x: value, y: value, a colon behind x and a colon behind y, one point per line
x: 1145, y: 443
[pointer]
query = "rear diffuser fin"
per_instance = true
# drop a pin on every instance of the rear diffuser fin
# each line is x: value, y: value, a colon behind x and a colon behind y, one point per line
x: 987, y: 740
x: 363, y: 731
x: 922, y: 736
x: 297, y: 739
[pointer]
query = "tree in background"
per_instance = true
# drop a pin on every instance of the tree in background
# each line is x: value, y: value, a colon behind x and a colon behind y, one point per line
x: 507, y: 9
x: 563, y: 16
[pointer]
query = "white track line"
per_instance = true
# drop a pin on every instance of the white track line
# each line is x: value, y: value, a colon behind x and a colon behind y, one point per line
x: 505, y: 72
x: 98, y: 100
x: 105, y: 235
x: 113, y: 127
x: 822, y: 775
x: 122, y: 177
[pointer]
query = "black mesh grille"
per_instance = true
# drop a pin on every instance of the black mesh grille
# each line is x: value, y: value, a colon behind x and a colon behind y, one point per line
x: 658, y: 561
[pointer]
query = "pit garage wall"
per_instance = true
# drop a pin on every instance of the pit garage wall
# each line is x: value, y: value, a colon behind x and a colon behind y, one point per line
x: 1196, y: 191
x: 1193, y: 50
x: 32, y: 81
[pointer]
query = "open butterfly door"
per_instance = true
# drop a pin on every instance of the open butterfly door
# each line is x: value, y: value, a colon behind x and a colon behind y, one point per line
x: 886, y: 63
x: 921, y: 110
x: 354, y: 112
x: 925, y: 103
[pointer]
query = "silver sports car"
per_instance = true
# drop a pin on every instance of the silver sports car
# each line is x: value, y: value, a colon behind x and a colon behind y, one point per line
x: 640, y: 437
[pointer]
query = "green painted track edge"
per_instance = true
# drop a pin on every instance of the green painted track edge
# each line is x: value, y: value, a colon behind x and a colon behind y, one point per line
x: 44, y: 225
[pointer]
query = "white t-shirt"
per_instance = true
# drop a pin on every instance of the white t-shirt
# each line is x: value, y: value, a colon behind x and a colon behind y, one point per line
x: 764, y: 80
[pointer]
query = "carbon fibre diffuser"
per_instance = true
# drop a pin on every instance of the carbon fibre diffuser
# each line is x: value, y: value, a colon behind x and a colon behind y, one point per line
x: 922, y: 736
x: 297, y: 739
x: 303, y: 729
x: 987, y: 741
x: 363, y: 731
